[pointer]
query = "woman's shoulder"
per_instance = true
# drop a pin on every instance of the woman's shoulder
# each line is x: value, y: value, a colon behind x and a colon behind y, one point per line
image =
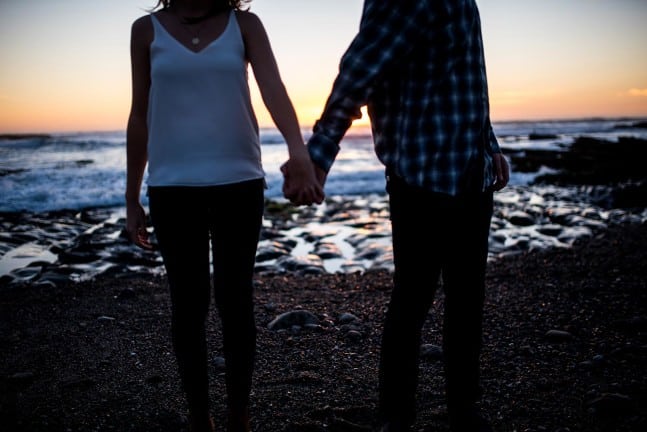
x: 142, y: 28
x: 144, y: 20
x: 143, y: 23
x: 248, y: 21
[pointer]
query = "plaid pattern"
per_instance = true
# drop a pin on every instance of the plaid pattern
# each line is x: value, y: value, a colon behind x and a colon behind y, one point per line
x: 419, y: 67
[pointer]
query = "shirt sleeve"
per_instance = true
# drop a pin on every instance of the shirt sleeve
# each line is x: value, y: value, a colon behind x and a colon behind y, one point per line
x: 387, y: 33
x: 494, y: 142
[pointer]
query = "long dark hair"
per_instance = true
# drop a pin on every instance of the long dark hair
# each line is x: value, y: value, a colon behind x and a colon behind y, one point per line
x: 217, y: 4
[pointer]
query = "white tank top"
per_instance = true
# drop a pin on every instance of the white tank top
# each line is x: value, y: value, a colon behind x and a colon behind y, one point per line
x: 202, y: 130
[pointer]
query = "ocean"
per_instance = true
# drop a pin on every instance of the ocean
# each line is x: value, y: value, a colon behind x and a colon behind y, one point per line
x: 88, y: 169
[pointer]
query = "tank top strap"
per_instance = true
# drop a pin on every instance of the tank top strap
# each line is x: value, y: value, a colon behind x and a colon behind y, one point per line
x: 156, y: 23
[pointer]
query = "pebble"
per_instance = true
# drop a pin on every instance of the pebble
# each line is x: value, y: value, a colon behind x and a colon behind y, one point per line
x: 219, y: 363
x: 353, y: 336
x: 610, y: 404
x: 347, y: 318
x: 431, y: 352
x: 558, y: 336
x: 291, y: 319
x: 21, y: 377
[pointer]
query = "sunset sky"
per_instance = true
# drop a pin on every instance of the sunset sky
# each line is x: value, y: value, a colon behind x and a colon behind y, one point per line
x: 65, y: 66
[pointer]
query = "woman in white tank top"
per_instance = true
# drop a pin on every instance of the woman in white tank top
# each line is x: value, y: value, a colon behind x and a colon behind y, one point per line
x: 192, y: 123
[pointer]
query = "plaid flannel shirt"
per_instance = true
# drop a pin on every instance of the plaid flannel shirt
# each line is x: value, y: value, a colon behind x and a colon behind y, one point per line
x: 419, y: 67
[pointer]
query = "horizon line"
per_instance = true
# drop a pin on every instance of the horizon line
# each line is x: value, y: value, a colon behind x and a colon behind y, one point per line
x: 357, y: 126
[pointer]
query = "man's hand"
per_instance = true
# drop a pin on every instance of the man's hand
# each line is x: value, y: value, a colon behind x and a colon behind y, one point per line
x: 303, y: 182
x: 501, y: 171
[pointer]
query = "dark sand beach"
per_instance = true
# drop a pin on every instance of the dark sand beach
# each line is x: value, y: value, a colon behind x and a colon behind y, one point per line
x: 565, y: 349
x: 565, y: 328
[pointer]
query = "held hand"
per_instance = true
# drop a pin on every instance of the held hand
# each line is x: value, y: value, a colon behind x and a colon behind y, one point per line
x: 136, y: 226
x: 321, y: 175
x: 302, y: 184
x: 501, y: 171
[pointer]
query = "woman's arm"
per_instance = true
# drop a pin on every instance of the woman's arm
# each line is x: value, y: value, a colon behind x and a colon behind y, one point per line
x: 137, y: 131
x: 303, y: 183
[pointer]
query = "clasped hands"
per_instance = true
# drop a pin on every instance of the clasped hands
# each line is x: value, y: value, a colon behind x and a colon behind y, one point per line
x: 303, y: 181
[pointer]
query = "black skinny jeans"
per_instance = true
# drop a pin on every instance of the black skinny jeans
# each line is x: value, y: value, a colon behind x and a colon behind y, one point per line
x: 434, y: 234
x: 187, y: 222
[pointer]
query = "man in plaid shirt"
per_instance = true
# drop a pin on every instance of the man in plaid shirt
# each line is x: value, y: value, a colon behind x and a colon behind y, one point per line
x: 420, y: 69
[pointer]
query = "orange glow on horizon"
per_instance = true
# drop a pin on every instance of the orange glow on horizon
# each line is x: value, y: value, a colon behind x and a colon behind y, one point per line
x: 567, y: 104
x: 51, y: 117
x: 56, y: 111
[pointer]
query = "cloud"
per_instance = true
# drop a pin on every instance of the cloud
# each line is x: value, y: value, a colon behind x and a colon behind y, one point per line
x: 636, y: 92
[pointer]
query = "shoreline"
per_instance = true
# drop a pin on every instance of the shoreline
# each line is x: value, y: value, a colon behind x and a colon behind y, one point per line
x: 346, y: 234
x: 565, y: 337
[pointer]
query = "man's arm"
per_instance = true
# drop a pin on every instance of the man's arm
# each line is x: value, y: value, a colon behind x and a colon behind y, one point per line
x: 388, y: 32
x: 501, y: 166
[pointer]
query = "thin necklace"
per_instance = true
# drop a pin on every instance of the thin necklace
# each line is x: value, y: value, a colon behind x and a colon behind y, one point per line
x: 195, y: 37
x: 188, y: 21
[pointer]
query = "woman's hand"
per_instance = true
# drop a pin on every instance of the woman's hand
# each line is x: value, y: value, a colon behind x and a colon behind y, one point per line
x: 136, y: 226
x: 302, y: 184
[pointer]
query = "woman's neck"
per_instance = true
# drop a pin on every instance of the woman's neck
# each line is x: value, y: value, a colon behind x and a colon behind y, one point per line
x: 193, y: 9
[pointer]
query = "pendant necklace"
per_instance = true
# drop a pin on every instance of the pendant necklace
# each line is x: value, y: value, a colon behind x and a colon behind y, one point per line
x: 196, y: 40
x: 195, y: 37
x: 188, y: 21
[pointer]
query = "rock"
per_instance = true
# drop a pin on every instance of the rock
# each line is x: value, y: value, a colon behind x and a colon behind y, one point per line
x: 558, y: 336
x: 313, y: 327
x: 347, y: 318
x: 541, y: 136
x: 310, y: 265
x: 520, y: 218
x: 270, y: 307
x: 287, y: 320
x: 431, y: 352
x: 21, y: 378
x: 77, y: 257
x: 353, y: 336
x: 552, y: 230
x: 345, y: 328
x: 327, y: 250
x: 57, y: 276
x: 45, y: 284
x: 219, y: 363
x: 271, y: 251
x: 588, y: 160
x: 370, y: 252
x: 611, y: 405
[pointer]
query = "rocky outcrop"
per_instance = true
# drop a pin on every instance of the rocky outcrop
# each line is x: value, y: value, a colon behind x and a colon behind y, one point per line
x: 592, y: 161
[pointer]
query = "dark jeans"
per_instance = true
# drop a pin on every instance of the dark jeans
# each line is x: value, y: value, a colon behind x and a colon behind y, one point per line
x: 187, y: 222
x: 434, y: 234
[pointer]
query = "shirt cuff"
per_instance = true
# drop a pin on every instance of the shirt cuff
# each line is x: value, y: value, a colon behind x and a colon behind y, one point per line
x: 323, y: 151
